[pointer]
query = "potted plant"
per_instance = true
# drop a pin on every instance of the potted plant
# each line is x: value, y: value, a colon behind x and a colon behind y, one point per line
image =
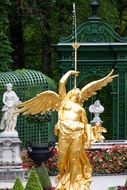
x: 40, y: 153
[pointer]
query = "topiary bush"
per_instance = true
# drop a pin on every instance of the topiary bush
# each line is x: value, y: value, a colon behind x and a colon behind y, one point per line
x: 18, y: 185
x: 33, y: 182
x: 44, y: 177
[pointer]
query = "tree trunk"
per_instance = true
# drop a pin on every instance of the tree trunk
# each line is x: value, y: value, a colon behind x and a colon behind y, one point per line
x: 46, y: 8
x: 46, y: 56
x: 16, y: 36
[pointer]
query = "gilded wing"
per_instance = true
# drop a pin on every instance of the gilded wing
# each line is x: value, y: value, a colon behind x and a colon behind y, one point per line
x: 43, y: 102
x: 91, y: 88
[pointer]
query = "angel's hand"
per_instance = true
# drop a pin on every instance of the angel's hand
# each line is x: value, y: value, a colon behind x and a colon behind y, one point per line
x: 76, y: 73
x: 87, y: 144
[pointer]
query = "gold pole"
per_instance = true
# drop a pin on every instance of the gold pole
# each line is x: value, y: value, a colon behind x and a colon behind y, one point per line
x: 75, y: 45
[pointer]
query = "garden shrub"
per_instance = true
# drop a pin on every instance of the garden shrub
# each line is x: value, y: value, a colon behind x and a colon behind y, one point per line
x: 33, y: 182
x: 111, y: 188
x: 18, y: 185
x: 44, y: 177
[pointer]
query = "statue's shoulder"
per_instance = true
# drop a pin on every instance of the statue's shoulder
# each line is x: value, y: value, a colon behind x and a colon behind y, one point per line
x: 13, y: 92
x: 5, y: 93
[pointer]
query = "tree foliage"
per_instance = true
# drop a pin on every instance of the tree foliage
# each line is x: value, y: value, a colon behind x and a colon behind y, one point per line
x: 5, y: 45
x: 34, y: 25
x: 62, y: 15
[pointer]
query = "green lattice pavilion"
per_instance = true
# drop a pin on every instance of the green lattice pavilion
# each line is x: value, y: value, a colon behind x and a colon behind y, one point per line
x: 101, y: 50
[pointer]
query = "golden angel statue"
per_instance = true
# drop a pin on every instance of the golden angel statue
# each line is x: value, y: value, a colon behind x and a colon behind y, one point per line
x: 72, y: 129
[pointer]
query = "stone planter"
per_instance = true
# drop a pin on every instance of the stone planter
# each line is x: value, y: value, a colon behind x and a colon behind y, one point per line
x: 40, y: 153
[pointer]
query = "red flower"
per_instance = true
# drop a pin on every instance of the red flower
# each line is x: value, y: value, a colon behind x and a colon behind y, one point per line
x: 105, y: 161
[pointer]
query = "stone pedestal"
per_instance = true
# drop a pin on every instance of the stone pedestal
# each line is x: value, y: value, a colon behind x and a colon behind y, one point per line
x: 95, y: 120
x: 10, y: 161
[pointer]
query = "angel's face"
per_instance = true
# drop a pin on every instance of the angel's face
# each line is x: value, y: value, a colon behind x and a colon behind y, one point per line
x: 76, y: 95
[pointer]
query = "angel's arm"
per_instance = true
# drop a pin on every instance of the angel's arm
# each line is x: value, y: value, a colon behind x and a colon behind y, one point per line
x: 62, y: 82
x: 85, y: 121
x: 4, y: 100
x: 84, y: 117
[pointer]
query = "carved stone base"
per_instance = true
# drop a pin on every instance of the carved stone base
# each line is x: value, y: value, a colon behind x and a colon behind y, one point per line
x: 9, y: 174
x: 95, y: 120
x: 10, y: 160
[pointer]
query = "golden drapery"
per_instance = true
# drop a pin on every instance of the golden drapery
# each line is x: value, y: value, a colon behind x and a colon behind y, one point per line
x: 74, y: 167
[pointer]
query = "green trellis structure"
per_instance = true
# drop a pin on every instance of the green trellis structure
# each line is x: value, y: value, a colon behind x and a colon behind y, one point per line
x: 26, y: 84
x: 101, y: 50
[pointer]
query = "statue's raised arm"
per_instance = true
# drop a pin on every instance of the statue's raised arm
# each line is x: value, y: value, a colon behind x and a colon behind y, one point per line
x: 63, y: 81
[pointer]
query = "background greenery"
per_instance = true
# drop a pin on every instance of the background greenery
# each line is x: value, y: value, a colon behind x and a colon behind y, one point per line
x: 28, y: 28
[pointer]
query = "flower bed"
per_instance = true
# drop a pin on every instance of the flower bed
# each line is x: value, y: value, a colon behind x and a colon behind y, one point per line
x: 51, y: 164
x: 109, y: 161
x: 104, y: 161
x: 27, y: 162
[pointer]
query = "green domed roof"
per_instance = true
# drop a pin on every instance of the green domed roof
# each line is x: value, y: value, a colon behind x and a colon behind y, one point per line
x: 26, y: 77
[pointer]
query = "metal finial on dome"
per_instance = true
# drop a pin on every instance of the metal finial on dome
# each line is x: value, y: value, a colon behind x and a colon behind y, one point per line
x: 94, y: 6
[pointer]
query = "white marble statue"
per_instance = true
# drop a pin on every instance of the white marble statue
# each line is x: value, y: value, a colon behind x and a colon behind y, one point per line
x: 96, y: 109
x: 9, y: 118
